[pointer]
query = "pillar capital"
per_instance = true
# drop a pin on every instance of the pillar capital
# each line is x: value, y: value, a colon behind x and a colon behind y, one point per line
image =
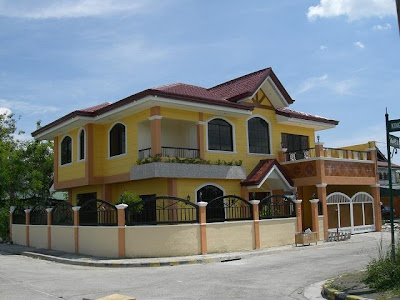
x: 313, y: 201
x: 155, y: 117
x: 12, y: 209
x: 201, y: 123
x: 49, y: 209
x: 321, y: 185
x: 121, y: 206
x: 255, y: 202
x: 201, y: 204
x: 76, y: 208
x: 298, y: 201
x: 27, y: 211
x: 375, y: 185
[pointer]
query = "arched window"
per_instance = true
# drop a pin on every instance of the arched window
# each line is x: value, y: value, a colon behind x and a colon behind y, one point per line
x: 81, y: 148
x: 66, y: 150
x: 117, y: 140
x: 258, y: 135
x: 208, y: 193
x: 220, y: 135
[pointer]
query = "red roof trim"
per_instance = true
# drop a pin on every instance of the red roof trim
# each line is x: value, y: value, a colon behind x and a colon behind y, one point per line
x: 299, y: 115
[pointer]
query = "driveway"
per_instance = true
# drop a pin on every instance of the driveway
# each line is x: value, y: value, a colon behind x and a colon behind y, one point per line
x: 272, y: 275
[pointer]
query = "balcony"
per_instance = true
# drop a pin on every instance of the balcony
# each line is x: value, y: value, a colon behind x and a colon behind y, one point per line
x: 329, y: 165
x: 171, y: 152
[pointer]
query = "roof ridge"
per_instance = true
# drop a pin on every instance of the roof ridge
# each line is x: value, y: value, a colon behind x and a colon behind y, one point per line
x: 239, y: 78
x: 166, y: 85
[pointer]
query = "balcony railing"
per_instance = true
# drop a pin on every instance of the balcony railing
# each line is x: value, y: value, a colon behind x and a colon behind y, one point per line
x: 171, y: 152
x: 300, y: 154
x: 326, y: 152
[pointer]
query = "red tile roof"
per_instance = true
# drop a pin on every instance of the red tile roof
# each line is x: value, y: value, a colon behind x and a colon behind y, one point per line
x: 385, y: 164
x: 245, y: 86
x: 188, y: 90
x: 261, y: 170
x: 305, y: 116
x: 96, y: 107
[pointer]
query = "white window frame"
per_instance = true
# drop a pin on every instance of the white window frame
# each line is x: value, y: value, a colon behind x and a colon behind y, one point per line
x: 233, y: 136
x: 60, y: 150
x: 108, y: 141
x: 78, y: 152
x: 269, y: 134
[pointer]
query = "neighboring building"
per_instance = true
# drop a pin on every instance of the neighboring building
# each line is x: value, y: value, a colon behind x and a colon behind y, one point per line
x: 252, y: 143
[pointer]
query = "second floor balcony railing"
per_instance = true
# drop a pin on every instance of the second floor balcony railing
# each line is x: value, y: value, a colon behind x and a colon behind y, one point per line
x: 300, y: 154
x: 171, y: 152
x: 327, y: 153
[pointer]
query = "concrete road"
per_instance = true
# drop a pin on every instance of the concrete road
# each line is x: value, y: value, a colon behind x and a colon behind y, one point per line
x: 275, y: 275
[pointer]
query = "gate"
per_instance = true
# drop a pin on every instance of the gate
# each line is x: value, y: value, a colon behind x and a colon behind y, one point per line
x: 276, y: 206
x: 228, y: 208
x: 355, y: 214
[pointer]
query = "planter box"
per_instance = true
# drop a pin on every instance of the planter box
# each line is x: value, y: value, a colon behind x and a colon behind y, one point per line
x: 306, y: 238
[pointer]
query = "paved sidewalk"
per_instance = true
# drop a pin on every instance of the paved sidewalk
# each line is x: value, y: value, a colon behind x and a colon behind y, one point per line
x: 86, y: 260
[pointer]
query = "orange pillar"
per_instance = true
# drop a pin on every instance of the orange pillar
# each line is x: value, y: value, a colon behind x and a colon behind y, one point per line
x: 76, y: 227
x: 27, y: 222
x: 12, y: 209
x: 56, y: 162
x: 299, y: 215
x: 203, y: 226
x: 282, y: 155
x: 200, y: 138
x: 321, y: 189
x: 375, y: 191
x: 314, y: 216
x: 256, y: 219
x: 89, y: 153
x: 319, y: 149
x: 49, y: 223
x: 155, y: 127
x: 121, y: 229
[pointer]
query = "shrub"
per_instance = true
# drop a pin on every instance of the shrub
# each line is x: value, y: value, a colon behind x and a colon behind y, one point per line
x: 5, y: 222
x: 134, y: 201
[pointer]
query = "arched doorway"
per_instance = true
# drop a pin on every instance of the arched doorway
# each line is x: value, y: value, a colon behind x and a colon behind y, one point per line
x: 208, y: 193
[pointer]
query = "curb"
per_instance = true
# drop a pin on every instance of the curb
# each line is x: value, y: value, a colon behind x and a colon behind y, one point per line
x: 89, y: 263
x: 333, y: 294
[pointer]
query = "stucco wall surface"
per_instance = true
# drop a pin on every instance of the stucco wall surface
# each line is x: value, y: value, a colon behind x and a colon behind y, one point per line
x: 277, y: 232
x: 38, y: 236
x: 230, y: 236
x: 62, y: 238
x: 19, y: 234
x: 321, y: 227
x: 159, y: 241
x: 98, y: 241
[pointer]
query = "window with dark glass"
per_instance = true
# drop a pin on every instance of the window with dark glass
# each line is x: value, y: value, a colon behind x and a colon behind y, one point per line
x: 294, y: 142
x: 258, y: 133
x: 82, y: 145
x: 117, y: 140
x: 220, y: 135
x: 215, y: 210
x: 66, y: 150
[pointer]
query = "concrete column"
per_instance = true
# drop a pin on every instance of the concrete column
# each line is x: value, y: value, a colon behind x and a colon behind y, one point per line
x: 349, y: 154
x: 321, y: 189
x: 314, y: 216
x: 281, y: 155
x: 203, y: 226
x: 49, y: 223
x: 319, y: 149
x: 27, y: 222
x: 200, y: 138
x: 256, y: 219
x: 299, y: 215
x: 56, y: 161
x: 89, y: 157
x: 12, y: 209
x: 121, y: 229
x: 155, y: 127
x: 375, y: 193
x: 76, y: 227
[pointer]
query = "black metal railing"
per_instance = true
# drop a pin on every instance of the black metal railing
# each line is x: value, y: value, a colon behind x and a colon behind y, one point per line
x: 62, y: 214
x: 144, y: 153
x: 98, y: 212
x: 179, y: 152
x: 38, y: 215
x: 276, y: 206
x: 19, y: 215
x: 300, y: 154
x: 162, y: 210
x: 228, y: 208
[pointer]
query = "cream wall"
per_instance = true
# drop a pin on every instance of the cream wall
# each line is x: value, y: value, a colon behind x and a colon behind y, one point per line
x: 98, y: 241
x: 19, y: 234
x: 277, y: 232
x: 230, y: 236
x: 159, y: 241
x: 321, y: 227
x: 38, y: 236
x: 63, y: 238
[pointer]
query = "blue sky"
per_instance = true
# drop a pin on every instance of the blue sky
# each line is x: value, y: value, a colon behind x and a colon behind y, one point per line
x: 338, y: 59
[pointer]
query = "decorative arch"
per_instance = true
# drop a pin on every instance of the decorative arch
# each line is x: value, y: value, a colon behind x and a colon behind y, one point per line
x: 254, y: 136
x: 337, y: 198
x: 117, y: 140
x: 66, y: 150
x: 81, y: 151
x: 220, y: 138
x: 362, y: 197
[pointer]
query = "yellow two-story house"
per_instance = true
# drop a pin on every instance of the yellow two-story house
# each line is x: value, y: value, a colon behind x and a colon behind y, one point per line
x: 236, y: 138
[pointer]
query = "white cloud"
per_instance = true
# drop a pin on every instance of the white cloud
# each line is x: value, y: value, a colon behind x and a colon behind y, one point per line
x: 386, y: 26
x: 359, y: 44
x: 344, y: 87
x: 26, y: 107
x: 323, y: 47
x: 353, y: 9
x: 70, y: 8
x: 5, y: 110
x: 311, y: 83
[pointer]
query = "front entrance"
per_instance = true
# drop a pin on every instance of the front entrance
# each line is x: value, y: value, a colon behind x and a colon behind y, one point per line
x: 82, y: 199
x: 355, y: 214
x: 208, y: 193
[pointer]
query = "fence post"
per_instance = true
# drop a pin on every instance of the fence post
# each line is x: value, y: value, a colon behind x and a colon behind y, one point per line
x: 12, y: 209
x: 314, y: 216
x: 76, y: 227
x: 27, y: 222
x: 49, y: 223
x: 299, y: 215
x: 203, y: 226
x: 121, y: 229
x: 319, y: 149
x: 282, y: 155
x: 256, y: 220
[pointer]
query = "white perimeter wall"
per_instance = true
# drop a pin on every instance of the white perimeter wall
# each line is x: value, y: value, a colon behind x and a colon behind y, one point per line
x: 277, y: 232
